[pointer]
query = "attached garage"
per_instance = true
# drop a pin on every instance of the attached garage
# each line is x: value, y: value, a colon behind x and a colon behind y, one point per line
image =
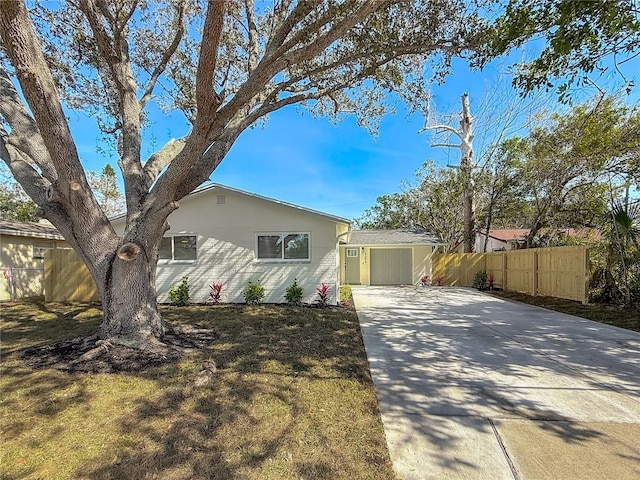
x: 391, y: 266
x: 386, y: 257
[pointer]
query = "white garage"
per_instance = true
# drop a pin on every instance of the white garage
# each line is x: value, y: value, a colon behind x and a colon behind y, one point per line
x: 386, y: 257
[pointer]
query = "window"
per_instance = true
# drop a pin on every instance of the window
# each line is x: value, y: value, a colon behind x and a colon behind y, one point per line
x: 179, y: 248
x: 283, y: 246
x: 352, y: 252
x: 40, y: 248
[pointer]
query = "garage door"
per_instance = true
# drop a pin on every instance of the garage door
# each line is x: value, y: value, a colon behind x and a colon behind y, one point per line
x: 391, y: 266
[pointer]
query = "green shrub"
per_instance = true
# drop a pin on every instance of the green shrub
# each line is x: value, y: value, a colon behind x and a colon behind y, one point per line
x: 253, y: 293
x: 345, y: 295
x: 294, y: 293
x: 480, y: 280
x: 179, y: 295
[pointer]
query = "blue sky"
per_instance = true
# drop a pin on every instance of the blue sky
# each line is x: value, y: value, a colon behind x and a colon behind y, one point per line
x: 338, y: 169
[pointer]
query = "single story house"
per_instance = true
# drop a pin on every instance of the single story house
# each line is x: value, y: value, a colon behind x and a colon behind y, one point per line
x: 22, y: 247
x: 222, y: 234
x: 386, y: 257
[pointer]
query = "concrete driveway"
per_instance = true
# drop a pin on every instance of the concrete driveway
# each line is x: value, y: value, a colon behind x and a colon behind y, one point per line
x: 471, y: 386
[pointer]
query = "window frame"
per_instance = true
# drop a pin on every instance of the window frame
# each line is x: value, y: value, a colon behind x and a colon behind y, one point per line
x: 351, y: 249
x: 39, y: 249
x: 282, y: 235
x: 172, y: 236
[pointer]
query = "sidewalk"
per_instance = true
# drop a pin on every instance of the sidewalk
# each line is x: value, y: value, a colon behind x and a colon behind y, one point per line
x: 471, y: 387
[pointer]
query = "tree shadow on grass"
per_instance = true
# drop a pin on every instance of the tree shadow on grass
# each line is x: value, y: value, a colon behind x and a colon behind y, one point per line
x: 258, y: 416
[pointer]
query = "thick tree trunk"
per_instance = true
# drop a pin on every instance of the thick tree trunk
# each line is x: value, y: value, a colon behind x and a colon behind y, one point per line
x: 129, y: 299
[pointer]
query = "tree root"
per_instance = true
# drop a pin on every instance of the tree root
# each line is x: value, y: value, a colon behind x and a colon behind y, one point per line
x: 121, y: 354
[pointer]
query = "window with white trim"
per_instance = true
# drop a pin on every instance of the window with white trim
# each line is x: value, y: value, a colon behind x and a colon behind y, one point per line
x: 179, y: 248
x: 39, y: 249
x: 352, y: 252
x: 288, y: 246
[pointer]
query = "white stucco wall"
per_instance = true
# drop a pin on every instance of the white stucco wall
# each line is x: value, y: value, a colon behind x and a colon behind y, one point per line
x: 226, y: 247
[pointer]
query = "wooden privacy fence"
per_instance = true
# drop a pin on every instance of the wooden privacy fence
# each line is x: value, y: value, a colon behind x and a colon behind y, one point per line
x: 561, y: 272
x: 66, y: 278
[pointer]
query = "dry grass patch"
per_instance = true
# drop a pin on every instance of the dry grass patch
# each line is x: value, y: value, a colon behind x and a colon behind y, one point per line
x: 291, y: 399
x: 623, y: 317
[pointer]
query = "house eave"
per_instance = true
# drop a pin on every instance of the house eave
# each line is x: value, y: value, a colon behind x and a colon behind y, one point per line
x: 217, y: 186
x: 24, y: 233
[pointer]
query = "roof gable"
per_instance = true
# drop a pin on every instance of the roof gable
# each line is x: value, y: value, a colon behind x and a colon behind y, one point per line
x: 218, y: 188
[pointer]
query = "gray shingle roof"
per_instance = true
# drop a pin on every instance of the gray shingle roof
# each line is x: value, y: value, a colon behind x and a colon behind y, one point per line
x: 393, y: 237
x: 217, y: 186
x: 29, y: 229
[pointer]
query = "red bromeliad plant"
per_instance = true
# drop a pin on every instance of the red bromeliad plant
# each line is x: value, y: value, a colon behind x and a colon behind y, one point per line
x: 438, y: 279
x: 491, y: 279
x: 323, y: 294
x: 215, y: 292
x: 425, y: 280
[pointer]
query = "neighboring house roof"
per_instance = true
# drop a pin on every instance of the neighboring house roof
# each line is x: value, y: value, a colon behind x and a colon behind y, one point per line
x: 507, y: 234
x: 220, y: 188
x: 29, y: 229
x: 393, y: 237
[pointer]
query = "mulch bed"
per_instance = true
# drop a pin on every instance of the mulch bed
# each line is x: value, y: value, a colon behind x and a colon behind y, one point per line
x: 67, y: 355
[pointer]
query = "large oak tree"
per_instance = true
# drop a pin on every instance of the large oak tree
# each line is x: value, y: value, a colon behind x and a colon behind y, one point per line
x: 225, y: 65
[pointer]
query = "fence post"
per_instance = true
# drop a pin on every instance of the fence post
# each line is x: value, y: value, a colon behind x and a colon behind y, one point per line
x: 504, y: 269
x: 535, y: 273
x: 587, y: 271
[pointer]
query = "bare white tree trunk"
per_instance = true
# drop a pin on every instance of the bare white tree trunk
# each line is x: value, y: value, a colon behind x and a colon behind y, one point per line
x: 465, y: 135
x: 466, y: 167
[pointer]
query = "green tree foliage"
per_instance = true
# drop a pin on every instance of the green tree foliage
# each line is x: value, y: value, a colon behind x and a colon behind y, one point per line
x: 434, y: 203
x: 564, y: 167
x: 389, y: 212
x: 15, y: 205
x: 500, y: 204
x: 616, y: 263
x: 561, y: 175
x: 223, y: 65
x: 106, y: 190
x: 580, y: 37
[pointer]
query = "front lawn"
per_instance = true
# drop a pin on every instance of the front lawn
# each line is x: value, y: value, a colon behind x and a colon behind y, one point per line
x: 623, y: 317
x: 292, y: 398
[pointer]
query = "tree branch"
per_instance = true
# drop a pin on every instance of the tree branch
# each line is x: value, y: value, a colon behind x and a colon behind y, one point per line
x: 24, y: 131
x: 34, y: 185
x: 200, y: 171
x: 162, y: 158
x: 249, y: 6
x: 206, y: 99
x: 336, y: 32
x: 115, y: 51
x: 299, y: 12
x: 441, y: 127
x: 38, y: 87
x: 162, y: 65
x: 448, y: 145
